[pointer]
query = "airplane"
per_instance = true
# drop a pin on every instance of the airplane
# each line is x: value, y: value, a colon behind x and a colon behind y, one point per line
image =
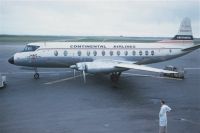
x: 106, y: 57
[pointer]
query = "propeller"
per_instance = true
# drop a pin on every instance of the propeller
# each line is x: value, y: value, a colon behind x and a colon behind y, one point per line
x: 74, y: 73
x: 84, y: 76
x: 82, y: 67
x: 79, y: 67
x: 74, y: 67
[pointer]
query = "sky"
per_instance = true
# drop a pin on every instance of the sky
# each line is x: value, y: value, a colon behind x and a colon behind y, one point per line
x: 142, y: 18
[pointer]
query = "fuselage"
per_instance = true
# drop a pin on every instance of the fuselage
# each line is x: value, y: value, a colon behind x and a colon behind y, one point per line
x: 65, y: 54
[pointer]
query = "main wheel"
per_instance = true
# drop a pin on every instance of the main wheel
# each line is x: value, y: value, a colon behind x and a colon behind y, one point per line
x: 4, y: 84
x: 114, y: 77
x: 36, y: 76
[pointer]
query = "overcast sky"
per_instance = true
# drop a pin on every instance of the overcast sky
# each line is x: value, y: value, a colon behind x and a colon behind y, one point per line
x: 98, y: 17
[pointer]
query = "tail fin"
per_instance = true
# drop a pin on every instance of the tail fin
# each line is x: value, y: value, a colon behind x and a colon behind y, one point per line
x: 185, y: 31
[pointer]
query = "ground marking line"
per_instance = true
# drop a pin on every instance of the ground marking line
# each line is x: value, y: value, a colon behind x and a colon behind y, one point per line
x: 38, y: 72
x: 191, y: 68
x: 190, y: 121
x: 60, y: 80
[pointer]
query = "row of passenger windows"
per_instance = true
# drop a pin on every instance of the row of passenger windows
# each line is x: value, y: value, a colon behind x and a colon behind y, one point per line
x: 103, y: 53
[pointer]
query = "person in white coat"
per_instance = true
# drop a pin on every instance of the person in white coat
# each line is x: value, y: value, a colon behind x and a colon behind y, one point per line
x: 163, y: 117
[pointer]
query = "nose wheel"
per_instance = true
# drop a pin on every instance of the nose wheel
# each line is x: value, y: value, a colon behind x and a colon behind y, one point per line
x: 36, y: 76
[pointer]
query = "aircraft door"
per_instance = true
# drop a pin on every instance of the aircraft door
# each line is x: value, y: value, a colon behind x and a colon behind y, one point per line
x: 32, y: 59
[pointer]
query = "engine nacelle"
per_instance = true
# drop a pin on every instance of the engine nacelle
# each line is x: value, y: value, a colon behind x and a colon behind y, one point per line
x: 97, y: 67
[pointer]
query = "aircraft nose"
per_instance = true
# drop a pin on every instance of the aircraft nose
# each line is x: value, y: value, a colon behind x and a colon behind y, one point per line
x: 11, y: 60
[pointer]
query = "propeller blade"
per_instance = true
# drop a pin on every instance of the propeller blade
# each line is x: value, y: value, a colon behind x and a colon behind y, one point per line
x: 74, y: 73
x: 84, y: 76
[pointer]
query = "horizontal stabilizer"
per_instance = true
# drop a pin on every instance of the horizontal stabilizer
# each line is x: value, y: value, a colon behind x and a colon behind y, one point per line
x: 192, y: 48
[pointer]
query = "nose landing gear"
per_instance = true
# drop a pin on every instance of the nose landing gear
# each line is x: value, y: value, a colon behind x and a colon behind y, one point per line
x: 36, y: 75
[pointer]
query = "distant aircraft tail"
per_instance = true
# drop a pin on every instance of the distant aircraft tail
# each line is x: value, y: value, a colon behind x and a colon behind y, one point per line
x: 185, y: 31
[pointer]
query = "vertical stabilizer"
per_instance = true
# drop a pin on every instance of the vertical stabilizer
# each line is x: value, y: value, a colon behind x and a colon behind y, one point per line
x: 185, y: 31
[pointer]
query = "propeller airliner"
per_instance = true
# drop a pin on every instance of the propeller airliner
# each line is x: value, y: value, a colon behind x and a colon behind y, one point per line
x: 106, y: 57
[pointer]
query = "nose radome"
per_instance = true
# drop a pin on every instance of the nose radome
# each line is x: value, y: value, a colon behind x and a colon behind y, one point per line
x: 11, y: 60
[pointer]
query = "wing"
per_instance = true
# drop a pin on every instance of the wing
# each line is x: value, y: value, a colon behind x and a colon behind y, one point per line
x: 106, y: 66
x: 141, y: 67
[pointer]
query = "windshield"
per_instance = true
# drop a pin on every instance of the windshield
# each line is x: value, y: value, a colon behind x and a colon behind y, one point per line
x: 30, y: 48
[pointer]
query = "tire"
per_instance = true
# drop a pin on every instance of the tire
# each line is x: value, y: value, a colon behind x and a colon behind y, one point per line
x: 4, y: 84
x: 36, y: 76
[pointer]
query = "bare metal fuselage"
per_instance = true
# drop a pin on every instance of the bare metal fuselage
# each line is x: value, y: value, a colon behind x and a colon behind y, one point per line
x: 65, y: 54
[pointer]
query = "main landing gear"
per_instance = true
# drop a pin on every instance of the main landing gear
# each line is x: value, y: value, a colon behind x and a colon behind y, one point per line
x: 36, y: 75
x: 115, y: 76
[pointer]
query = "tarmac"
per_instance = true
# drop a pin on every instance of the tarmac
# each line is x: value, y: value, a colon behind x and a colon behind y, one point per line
x: 58, y: 103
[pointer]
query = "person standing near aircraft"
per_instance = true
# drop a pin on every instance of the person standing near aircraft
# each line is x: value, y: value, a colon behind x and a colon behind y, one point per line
x: 163, y: 117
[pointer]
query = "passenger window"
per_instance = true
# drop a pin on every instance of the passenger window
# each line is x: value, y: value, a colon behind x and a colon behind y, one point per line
x: 79, y: 53
x: 111, y: 53
x: 152, y: 53
x: 56, y: 53
x: 146, y: 52
x: 95, y: 53
x: 103, y: 53
x: 125, y: 53
x: 118, y: 53
x: 140, y: 52
x: 65, y: 53
x: 88, y: 53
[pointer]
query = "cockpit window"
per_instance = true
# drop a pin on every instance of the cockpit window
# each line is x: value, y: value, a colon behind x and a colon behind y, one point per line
x: 30, y: 48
